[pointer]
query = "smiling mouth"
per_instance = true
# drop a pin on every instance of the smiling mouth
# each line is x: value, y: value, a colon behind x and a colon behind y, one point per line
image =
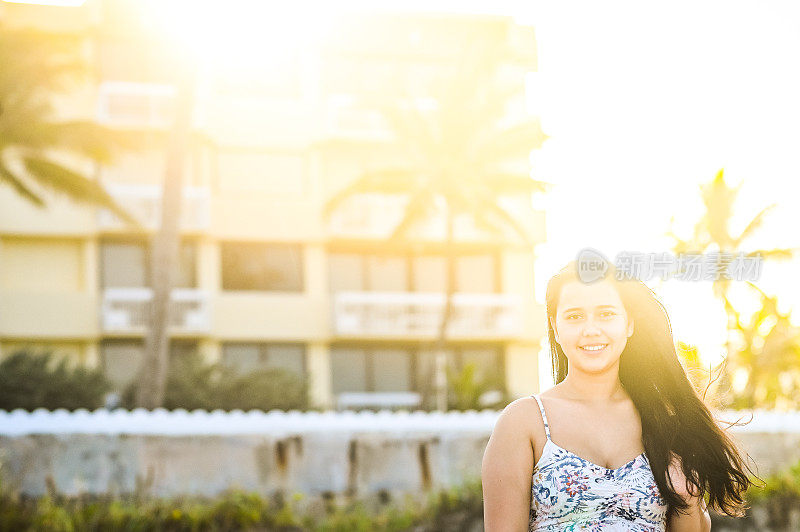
x: 593, y: 348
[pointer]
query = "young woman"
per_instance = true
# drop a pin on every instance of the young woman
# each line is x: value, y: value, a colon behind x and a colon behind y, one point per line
x: 622, y: 442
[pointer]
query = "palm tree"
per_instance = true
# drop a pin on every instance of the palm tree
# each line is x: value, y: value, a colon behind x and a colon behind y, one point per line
x: 768, y: 356
x: 155, y: 369
x: 457, y: 165
x: 36, y: 65
x: 712, y: 233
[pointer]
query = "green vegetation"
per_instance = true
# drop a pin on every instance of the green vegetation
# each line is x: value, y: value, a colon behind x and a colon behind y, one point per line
x: 31, y: 380
x: 193, y: 384
x: 452, y: 509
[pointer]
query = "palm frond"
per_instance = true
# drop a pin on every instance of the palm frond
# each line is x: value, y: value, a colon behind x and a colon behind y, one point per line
x: 419, y: 209
x: 388, y: 181
x: 22, y: 189
x: 754, y: 224
x: 78, y: 187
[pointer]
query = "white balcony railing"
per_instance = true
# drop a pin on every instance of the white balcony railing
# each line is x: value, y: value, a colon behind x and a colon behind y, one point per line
x: 346, y: 119
x: 418, y: 315
x: 125, y: 310
x: 373, y: 215
x: 126, y: 104
x: 144, y: 202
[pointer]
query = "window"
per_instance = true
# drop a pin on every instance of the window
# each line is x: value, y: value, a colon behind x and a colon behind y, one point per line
x: 275, y: 173
x: 488, y: 361
x: 247, y: 357
x: 475, y: 274
x: 257, y: 266
x: 126, y: 264
x: 428, y: 273
x: 391, y: 370
x: 346, y: 272
x: 379, y: 369
x: 122, y: 359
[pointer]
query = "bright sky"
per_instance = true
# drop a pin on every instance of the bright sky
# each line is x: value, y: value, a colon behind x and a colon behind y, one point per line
x: 644, y: 103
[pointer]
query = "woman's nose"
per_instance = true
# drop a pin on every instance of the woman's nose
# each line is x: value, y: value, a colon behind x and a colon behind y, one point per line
x: 590, y: 327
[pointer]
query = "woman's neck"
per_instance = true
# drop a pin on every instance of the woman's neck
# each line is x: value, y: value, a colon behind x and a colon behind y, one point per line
x: 593, y: 388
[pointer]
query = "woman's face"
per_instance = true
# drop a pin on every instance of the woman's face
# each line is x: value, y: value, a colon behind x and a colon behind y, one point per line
x: 591, y: 325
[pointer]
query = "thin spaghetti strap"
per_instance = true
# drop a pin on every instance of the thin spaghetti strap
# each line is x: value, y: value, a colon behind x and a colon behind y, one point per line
x: 544, y: 416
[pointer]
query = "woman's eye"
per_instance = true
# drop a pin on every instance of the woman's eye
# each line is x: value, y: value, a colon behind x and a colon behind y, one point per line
x: 573, y: 316
x: 610, y: 313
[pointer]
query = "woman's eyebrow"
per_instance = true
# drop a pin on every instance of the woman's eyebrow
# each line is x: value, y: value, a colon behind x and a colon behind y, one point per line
x: 581, y: 308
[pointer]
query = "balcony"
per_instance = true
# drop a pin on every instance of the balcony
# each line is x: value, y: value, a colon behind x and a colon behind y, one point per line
x: 348, y: 120
x: 125, y: 311
x: 123, y: 104
x: 375, y: 216
x: 144, y: 202
x: 405, y: 315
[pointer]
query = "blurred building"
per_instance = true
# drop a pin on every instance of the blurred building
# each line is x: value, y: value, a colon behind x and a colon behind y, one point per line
x: 262, y: 280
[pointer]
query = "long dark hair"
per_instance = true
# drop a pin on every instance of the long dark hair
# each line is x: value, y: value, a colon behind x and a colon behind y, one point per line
x: 675, y: 419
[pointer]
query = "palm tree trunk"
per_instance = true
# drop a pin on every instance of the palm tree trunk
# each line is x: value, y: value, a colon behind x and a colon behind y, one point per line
x: 441, y: 342
x: 153, y: 377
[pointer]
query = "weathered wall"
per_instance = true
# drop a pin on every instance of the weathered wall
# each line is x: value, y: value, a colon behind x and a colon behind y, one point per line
x: 169, y: 453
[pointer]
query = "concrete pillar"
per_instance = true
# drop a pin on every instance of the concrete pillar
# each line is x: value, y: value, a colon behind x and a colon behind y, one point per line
x: 318, y: 364
x: 91, y: 355
x: 210, y: 350
x: 522, y: 369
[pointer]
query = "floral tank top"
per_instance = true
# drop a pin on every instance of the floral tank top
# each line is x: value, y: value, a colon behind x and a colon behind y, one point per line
x: 569, y: 493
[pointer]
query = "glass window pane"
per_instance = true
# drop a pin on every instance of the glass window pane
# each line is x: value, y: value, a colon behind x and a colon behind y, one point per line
x: 122, y: 360
x: 348, y: 370
x: 186, y: 276
x: 426, y: 365
x: 430, y: 274
x: 486, y: 360
x: 391, y: 370
x: 123, y: 264
x: 475, y: 273
x: 387, y: 273
x: 247, y: 266
x: 241, y: 357
x: 290, y: 357
x: 346, y: 272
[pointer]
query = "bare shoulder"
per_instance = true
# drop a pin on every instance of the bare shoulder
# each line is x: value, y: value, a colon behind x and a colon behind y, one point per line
x: 520, y: 418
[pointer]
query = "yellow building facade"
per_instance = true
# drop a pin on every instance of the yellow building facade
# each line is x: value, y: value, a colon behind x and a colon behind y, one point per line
x: 263, y: 280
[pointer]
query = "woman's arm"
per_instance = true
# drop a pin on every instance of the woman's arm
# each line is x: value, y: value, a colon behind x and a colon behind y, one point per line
x: 506, y: 471
x: 697, y: 518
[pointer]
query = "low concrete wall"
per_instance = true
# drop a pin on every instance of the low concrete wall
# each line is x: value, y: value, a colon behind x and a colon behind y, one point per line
x: 170, y: 453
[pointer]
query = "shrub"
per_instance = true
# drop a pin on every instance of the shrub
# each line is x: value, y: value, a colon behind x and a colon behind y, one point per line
x: 36, y: 380
x: 193, y: 384
x: 467, y: 390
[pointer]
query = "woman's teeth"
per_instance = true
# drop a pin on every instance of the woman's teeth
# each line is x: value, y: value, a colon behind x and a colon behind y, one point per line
x: 594, y: 348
